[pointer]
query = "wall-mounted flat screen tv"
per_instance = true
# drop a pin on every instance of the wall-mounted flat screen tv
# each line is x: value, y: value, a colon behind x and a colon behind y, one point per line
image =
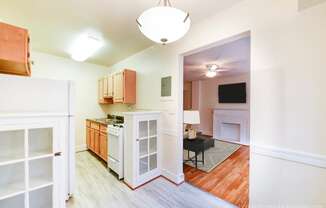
x: 232, y: 93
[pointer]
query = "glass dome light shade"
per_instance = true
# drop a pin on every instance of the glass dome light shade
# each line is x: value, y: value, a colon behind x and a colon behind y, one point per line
x: 211, y: 74
x: 164, y: 24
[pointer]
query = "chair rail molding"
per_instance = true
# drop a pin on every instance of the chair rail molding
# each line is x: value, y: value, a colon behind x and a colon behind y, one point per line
x: 316, y: 160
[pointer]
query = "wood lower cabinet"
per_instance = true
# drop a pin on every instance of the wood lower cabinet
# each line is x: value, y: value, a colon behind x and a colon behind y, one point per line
x: 103, y: 146
x: 88, y: 137
x: 97, y: 142
x: 97, y: 139
x: 92, y: 139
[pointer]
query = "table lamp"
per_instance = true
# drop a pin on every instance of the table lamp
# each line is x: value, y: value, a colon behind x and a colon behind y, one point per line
x: 190, y: 118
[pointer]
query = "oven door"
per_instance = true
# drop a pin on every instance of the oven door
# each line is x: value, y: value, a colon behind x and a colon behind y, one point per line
x: 113, y: 143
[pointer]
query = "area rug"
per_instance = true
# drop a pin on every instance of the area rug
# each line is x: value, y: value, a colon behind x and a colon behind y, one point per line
x: 213, y: 156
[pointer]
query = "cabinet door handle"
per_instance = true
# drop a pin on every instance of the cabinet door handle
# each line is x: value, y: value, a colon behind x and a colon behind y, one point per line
x: 137, y: 140
x: 57, y: 154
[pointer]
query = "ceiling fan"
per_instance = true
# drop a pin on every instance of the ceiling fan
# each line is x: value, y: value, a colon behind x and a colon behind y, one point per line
x: 212, y: 69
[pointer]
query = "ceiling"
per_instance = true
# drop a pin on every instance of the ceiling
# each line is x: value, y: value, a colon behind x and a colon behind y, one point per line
x: 232, y: 57
x: 55, y: 24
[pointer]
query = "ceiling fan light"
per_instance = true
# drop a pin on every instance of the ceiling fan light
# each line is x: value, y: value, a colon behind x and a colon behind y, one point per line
x: 211, y: 74
x: 164, y: 24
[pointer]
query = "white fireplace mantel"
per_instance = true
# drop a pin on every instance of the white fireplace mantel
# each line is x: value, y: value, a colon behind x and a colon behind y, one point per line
x: 233, y: 118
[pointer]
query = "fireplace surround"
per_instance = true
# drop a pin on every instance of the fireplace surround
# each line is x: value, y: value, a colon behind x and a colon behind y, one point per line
x: 231, y: 125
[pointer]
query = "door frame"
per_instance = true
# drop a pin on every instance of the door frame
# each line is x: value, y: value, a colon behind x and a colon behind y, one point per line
x: 180, y: 88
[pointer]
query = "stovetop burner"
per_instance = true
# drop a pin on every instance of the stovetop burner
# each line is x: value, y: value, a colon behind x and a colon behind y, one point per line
x: 115, y: 120
x: 118, y: 125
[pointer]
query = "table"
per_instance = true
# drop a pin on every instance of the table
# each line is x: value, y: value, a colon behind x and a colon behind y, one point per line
x: 197, y: 145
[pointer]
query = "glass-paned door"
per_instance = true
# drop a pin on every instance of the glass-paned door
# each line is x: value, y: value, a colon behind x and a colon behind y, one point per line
x: 147, y: 145
x: 31, y: 163
x: 41, y: 167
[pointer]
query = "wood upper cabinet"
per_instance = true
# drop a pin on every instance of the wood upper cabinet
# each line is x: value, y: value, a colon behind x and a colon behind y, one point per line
x: 110, y: 86
x: 14, y: 50
x: 124, y: 90
x: 102, y: 90
x: 105, y: 87
x: 118, y: 87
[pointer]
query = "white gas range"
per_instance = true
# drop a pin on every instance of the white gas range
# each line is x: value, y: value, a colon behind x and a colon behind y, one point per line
x: 115, y: 148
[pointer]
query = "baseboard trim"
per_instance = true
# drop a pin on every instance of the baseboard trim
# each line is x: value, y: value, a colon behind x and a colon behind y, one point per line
x: 232, y: 142
x: 315, y: 160
x: 176, y: 179
x: 81, y: 148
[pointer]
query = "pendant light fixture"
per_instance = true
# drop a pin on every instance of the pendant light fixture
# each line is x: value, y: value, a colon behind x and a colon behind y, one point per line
x: 164, y: 23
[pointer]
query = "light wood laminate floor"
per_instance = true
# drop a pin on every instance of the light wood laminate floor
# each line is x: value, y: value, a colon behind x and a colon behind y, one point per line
x: 98, y: 188
x: 228, y: 181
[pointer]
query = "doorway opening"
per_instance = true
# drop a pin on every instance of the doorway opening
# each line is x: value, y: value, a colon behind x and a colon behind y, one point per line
x: 216, y: 119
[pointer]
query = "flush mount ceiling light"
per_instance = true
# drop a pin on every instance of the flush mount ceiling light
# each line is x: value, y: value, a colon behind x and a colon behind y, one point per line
x: 85, y: 46
x: 164, y: 23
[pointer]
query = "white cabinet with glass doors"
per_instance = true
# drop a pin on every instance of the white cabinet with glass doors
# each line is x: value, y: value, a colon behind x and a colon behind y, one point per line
x: 141, y: 147
x: 32, y: 162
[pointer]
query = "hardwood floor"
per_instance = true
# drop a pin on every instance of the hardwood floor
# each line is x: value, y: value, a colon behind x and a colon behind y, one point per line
x: 228, y: 181
x: 96, y: 187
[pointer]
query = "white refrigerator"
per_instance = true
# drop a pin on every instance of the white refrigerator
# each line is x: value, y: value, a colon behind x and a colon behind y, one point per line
x: 33, y: 96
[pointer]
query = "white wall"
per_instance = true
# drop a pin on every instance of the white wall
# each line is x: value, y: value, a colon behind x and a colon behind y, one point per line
x: 195, y: 93
x: 287, y: 95
x: 84, y: 75
x: 208, y: 99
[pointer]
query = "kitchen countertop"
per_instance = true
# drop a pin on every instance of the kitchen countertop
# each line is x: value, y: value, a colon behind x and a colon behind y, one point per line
x: 139, y: 112
x: 103, y: 121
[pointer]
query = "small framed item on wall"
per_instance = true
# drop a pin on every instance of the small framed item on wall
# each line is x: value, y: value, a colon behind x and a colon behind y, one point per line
x: 166, y: 88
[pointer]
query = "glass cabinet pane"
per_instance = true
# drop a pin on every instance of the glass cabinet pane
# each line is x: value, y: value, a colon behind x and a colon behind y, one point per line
x: 153, y: 162
x: 152, y: 128
x: 12, y: 178
x: 152, y: 145
x: 143, y: 147
x: 143, y: 129
x: 143, y: 165
x: 41, y: 198
x: 40, y: 172
x: 12, y: 145
x: 13, y: 202
x: 40, y: 141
